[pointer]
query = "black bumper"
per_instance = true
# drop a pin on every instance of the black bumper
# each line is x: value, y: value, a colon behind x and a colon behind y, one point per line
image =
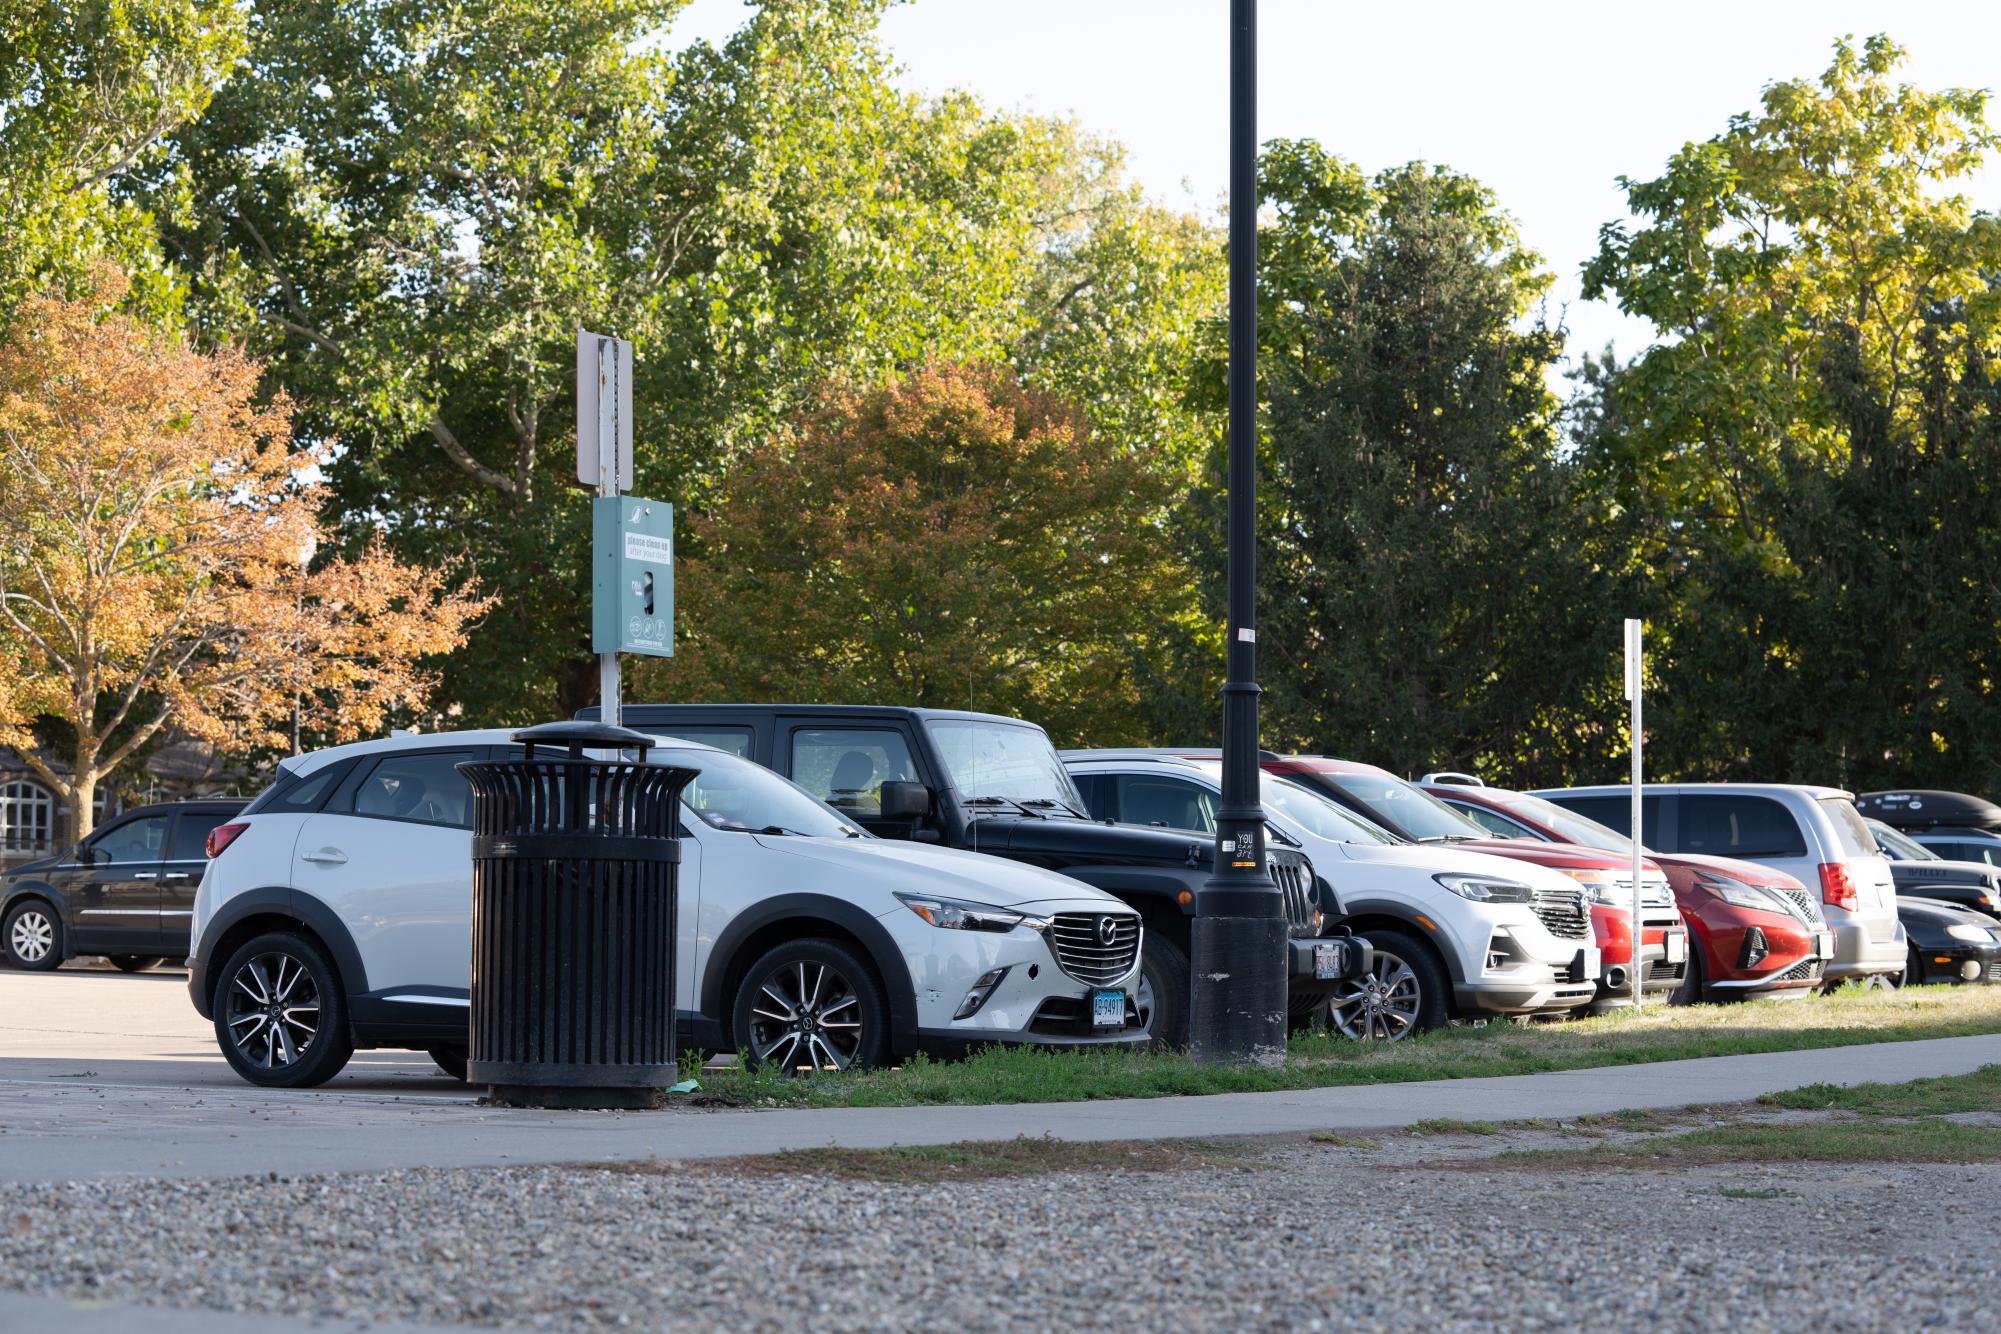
x: 1951, y: 962
x: 1321, y: 963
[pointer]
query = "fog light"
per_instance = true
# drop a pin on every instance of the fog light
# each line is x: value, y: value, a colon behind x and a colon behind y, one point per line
x: 978, y: 995
x: 1969, y: 970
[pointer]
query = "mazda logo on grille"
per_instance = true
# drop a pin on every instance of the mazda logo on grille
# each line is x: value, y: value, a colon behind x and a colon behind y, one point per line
x: 1108, y: 931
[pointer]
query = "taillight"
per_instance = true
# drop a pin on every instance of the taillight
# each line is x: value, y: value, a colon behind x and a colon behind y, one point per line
x: 1836, y: 889
x: 222, y: 836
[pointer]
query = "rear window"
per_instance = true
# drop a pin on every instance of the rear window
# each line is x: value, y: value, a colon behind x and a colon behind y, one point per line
x: 289, y: 792
x: 190, y: 841
x: 1731, y: 825
x: 1850, y: 828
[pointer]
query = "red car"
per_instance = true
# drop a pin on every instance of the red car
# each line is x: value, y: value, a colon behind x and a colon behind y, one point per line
x: 1408, y: 811
x: 1754, y: 926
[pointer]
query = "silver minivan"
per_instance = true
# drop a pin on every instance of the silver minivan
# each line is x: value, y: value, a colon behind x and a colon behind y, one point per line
x: 1814, y: 834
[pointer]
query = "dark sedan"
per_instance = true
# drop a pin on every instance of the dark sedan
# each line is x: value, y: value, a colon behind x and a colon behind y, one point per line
x: 1948, y: 944
x: 126, y: 892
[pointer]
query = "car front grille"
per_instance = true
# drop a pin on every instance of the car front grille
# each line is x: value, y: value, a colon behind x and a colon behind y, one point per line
x: 1994, y: 971
x: 1806, y: 970
x: 1562, y: 912
x: 1808, y: 909
x: 1294, y: 875
x: 1660, y: 970
x: 1092, y: 958
x: 1654, y: 891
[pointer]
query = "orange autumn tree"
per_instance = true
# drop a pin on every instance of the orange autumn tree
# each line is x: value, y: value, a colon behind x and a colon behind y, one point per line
x: 952, y: 539
x: 157, y: 531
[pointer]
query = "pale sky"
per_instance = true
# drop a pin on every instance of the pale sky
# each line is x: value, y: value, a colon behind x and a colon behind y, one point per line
x: 1546, y: 103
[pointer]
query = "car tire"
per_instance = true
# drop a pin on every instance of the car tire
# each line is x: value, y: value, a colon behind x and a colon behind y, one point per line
x: 280, y: 1015
x: 32, y: 936
x: 1694, y: 988
x: 810, y: 1002
x: 134, y: 963
x: 1404, y: 994
x: 451, y: 1060
x: 1161, y: 994
x: 1914, y: 970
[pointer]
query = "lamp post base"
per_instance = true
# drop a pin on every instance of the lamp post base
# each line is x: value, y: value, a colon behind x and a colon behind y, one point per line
x: 1237, y: 1015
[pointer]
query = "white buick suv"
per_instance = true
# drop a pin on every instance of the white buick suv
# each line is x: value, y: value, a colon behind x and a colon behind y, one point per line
x: 336, y: 912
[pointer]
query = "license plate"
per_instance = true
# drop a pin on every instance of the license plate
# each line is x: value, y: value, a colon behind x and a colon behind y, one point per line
x: 1823, y: 944
x: 1677, y: 947
x: 1327, y: 963
x: 1586, y: 967
x: 1108, y: 1009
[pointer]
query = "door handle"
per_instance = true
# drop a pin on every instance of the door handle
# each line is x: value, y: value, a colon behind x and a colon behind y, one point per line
x: 145, y: 875
x: 177, y: 875
x: 328, y: 856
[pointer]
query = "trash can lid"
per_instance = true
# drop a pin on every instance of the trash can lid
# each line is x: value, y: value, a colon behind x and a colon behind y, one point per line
x: 579, y: 736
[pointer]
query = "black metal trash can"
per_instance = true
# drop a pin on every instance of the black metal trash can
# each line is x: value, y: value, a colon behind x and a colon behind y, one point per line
x: 573, y: 922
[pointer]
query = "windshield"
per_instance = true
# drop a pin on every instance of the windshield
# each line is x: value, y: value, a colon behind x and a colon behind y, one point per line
x: 1012, y: 761
x: 1310, y: 810
x: 1901, y: 846
x: 732, y: 793
x: 1570, y: 827
x: 1408, y: 810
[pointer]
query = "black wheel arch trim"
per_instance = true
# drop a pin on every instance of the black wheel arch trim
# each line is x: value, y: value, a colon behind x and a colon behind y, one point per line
x: 808, y: 909
x: 36, y: 889
x: 277, y: 900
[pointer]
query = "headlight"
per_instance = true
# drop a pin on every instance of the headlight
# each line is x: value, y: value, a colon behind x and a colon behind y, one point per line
x: 1599, y: 887
x: 1979, y: 935
x: 1485, y: 888
x: 1732, y: 890
x: 958, y: 915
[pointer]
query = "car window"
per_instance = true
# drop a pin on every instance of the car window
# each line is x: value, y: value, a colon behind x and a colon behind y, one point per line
x: 1100, y: 794
x: 134, y: 841
x: 729, y: 792
x: 1731, y: 824
x: 190, y: 843
x: 1170, y: 803
x: 1316, y: 813
x: 289, y: 792
x: 1616, y: 814
x: 735, y: 740
x: 422, y: 785
x: 1570, y: 827
x: 1493, y: 821
x: 847, y: 766
x: 1900, y: 846
x: 1850, y: 829
x: 1405, y: 807
x: 1969, y: 852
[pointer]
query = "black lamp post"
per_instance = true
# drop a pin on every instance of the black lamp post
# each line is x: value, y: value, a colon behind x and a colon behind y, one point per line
x: 1238, y: 1010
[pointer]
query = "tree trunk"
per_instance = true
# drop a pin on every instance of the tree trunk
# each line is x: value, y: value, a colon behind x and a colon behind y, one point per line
x: 82, y: 797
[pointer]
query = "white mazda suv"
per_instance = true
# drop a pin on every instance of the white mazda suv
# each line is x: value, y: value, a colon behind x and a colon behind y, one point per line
x: 336, y: 912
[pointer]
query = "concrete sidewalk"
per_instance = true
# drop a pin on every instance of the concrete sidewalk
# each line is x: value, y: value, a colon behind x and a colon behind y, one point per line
x: 79, y: 1316
x: 86, y: 1130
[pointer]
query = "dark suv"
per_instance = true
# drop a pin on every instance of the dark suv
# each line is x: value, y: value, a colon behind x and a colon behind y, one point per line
x: 992, y: 784
x: 127, y: 891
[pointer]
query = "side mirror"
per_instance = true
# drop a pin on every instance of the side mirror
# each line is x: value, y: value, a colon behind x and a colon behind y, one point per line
x: 902, y: 800
x: 85, y: 855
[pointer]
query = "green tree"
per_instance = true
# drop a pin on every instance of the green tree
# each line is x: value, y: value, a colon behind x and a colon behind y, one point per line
x: 87, y: 90
x: 1432, y: 589
x: 414, y: 207
x: 1808, y: 457
x: 950, y: 539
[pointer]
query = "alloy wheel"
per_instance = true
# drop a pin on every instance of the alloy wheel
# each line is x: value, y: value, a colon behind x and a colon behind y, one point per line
x: 33, y: 935
x: 1143, y: 1001
x: 806, y: 1014
x: 274, y: 1010
x: 1379, y: 1006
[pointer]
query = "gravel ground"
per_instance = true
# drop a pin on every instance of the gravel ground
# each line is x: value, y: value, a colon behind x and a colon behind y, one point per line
x: 1420, y: 1231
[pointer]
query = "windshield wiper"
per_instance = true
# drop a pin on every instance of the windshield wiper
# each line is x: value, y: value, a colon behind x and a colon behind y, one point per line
x: 1051, y: 803
x: 781, y: 829
x: 1447, y: 838
x: 1002, y: 801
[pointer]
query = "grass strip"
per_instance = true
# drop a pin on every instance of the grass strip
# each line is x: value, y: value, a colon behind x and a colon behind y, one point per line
x: 1924, y: 1140
x: 1660, y: 1033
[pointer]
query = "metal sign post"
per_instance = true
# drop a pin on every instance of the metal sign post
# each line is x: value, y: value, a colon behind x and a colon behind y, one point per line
x: 604, y: 452
x: 1633, y: 661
